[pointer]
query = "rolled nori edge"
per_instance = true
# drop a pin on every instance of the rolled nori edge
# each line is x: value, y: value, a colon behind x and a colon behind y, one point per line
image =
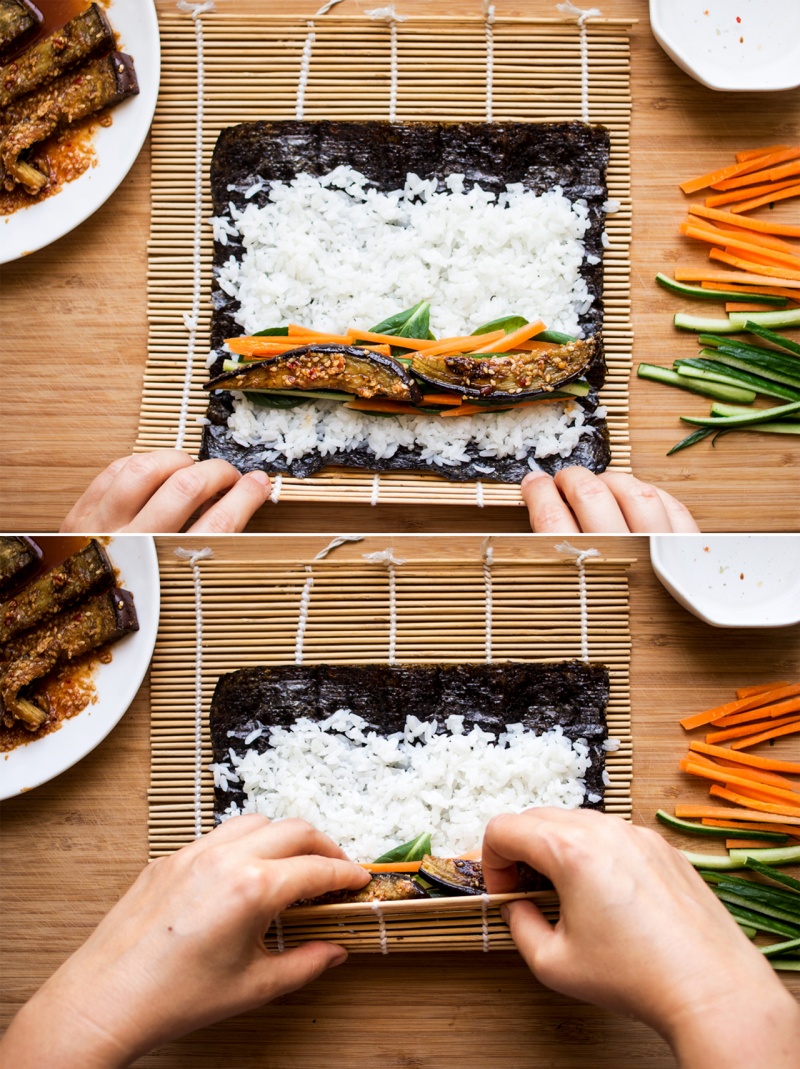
x: 540, y: 156
x: 571, y: 695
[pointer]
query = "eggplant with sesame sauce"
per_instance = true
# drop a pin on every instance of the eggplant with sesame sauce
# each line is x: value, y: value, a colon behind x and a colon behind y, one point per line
x: 103, y: 618
x: 507, y: 376
x: 18, y: 20
x: 383, y: 887
x: 87, y: 35
x: 83, y: 573
x: 100, y: 84
x: 344, y: 368
x: 19, y: 556
x: 461, y: 877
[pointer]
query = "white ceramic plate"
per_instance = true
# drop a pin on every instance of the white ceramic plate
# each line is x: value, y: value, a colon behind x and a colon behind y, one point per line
x: 732, y: 580
x: 746, y: 45
x: 116, y: 683
x: 116, y: 146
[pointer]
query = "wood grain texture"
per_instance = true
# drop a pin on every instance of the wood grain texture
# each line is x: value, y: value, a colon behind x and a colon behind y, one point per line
x: 72, y: 846
x: 74, y: 314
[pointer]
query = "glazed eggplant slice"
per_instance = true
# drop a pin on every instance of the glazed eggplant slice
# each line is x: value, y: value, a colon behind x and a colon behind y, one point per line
x: 511, y: 376
x: 103, y: 618
x: 84, y: 572
x: 325, y: 367
x: 383, y: 887
x: 18, y: 20
x: 100, y: 84
x: 87, y: 35
x: 461, y: 877
x: 19, y: 556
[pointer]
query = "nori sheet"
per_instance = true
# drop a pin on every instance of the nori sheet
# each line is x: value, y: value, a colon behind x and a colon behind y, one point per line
x: 573, y: 156
x: 571, y: 694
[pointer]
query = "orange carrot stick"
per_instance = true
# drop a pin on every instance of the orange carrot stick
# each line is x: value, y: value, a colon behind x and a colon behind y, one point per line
x: 746, y: 729
x: 756, y: 153
x: 745, y: 844
x: 735, y: 825
x: 470, y: 344
x: 386, y: 866
x: 764, y: 736
x: 453, y: 399
x: 732, y: 778
x: 774, y: 291
x: 756, y: 775
x: 509, y: 341
x: 759, y: 688
x: 748, y: 265
x: 739, y: 706
x: 769, y: 174
x: 751, y: 760
x: 386, y: 339
x: 736, y: 169
x: 743, y: 306
x: 727, y: 238
x: 784, y: 193
x: 754, y: 803
x: 471, y: 410
x: 763, y: 794
x: 705, y: 274
x: 791, y: 705
x: 689, y: 811
x: 736, y: 195
x: 761, y: 226
x: 765, y: 257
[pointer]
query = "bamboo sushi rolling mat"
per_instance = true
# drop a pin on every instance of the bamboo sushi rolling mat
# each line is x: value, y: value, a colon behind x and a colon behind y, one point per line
x: 219, y: 615
x: 354, y: 67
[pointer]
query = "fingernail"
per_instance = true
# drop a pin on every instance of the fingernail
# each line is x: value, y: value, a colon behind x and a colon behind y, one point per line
x: 340, y: 957
x: 261, y: 478
x: 529, y: 478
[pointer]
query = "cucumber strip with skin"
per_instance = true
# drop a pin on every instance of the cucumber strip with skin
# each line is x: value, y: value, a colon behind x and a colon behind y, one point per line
x: 677, y: 824
x: 574, y: 389
x: 682, y: 321
x: 719, y: 408
x: 759, y: 892
x: 790, y: 318
x: 763, y: 922
x: 734, y: 899
x: 702, y: 375
x: 763, y: 415
x: 775, y: 949
x: 782, y: 855
x: 764, y: 357
x: 786, y: 964
x: 714, y: 341
x: 316, y: 395
x: 717, y: 862
x: 776, y: 339
x: 685, y: 290
x: 772, y: 428
x: 773, y: 874
x: 668, y: 377
x: 735, y: 376
x: 689, y: 440
x: 751, y: 933
x: 754, y: 366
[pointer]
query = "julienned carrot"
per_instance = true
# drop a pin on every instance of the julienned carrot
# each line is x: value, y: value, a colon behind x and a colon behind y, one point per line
x: 726, y: 776
x: 787, y: 829
x: 719, y: 812
x: 765, y: 712
x: 769, y: 174
x: 756, y: 153
x: 730, y: 240
x: 735, y: 169
x: 746, y: 729
x: 453, y: 399
x: 354, y: 335
x: 471, y: 410
x: 469, y: 344
x: 755, y: 268
x: 768, y: 198
x: 754, y: 803
x: 764, y: 736
x: 762, y: 793
x: 743, y: 306
x: 759, y: 688
x: 508, y: 341
x: 774, y: 291
x: 737, y: 195
x: 751, y: 760
x: 739, y: 706
x: 728, y: 234
x: 533, y: 346
x: 765, y: 257
x: 760, y: 226
x: 386, y: 866
x: 706, y: 274
x: 767, y: 241
x: 755, y: 775
x: 744, y: 844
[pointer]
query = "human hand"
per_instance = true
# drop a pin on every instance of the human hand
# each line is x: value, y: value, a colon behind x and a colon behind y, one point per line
x: 184, y: 948
x: 642, y: 934
x: 612, y: 503
x: 158, y: 492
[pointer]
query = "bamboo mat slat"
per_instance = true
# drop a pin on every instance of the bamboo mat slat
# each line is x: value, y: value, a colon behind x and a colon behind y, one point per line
x: 252, y: 66
x: 250, y: 614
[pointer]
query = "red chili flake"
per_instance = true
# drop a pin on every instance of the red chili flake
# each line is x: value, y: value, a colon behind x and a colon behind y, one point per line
x: 741, y: 40
x: 738, y: 19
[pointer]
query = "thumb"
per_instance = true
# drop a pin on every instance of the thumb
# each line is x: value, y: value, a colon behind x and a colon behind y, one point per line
x: 530, y: 930
x: 299, y: 966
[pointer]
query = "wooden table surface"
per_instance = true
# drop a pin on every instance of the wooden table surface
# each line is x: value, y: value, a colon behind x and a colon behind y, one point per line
x: 71, y: 847
x: 74, y: 331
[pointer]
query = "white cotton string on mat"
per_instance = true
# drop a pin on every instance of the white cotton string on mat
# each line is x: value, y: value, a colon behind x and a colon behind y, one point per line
x: 340, y: 540
x: 390, y: 16
x: 387, y: 557
x: 302, y: 618
x: 581, y: 556
x: 305, y: 59
x: 485, y: 922
x: 479, y: 494
x: 488, y: 557
x: 194, y: 556
x: 488, y: 14
x: 581, y: 16
x: 376, y: 489
x: 279, y: 940
x: 192, y: 319
x: 376, y: 909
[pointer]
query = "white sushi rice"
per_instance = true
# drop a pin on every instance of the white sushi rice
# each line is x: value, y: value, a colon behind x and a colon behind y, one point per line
x: 370, y: 793
x: 333, y: 252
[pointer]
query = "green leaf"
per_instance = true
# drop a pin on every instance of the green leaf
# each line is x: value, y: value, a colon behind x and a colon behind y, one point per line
x: 272, y: 332
x: 412, y: 323
x: 506, y: 323
x: 414, y: 850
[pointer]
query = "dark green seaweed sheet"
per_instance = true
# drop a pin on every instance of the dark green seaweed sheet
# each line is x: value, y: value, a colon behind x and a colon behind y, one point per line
x: 571, y: 694
x: 573, y: 156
